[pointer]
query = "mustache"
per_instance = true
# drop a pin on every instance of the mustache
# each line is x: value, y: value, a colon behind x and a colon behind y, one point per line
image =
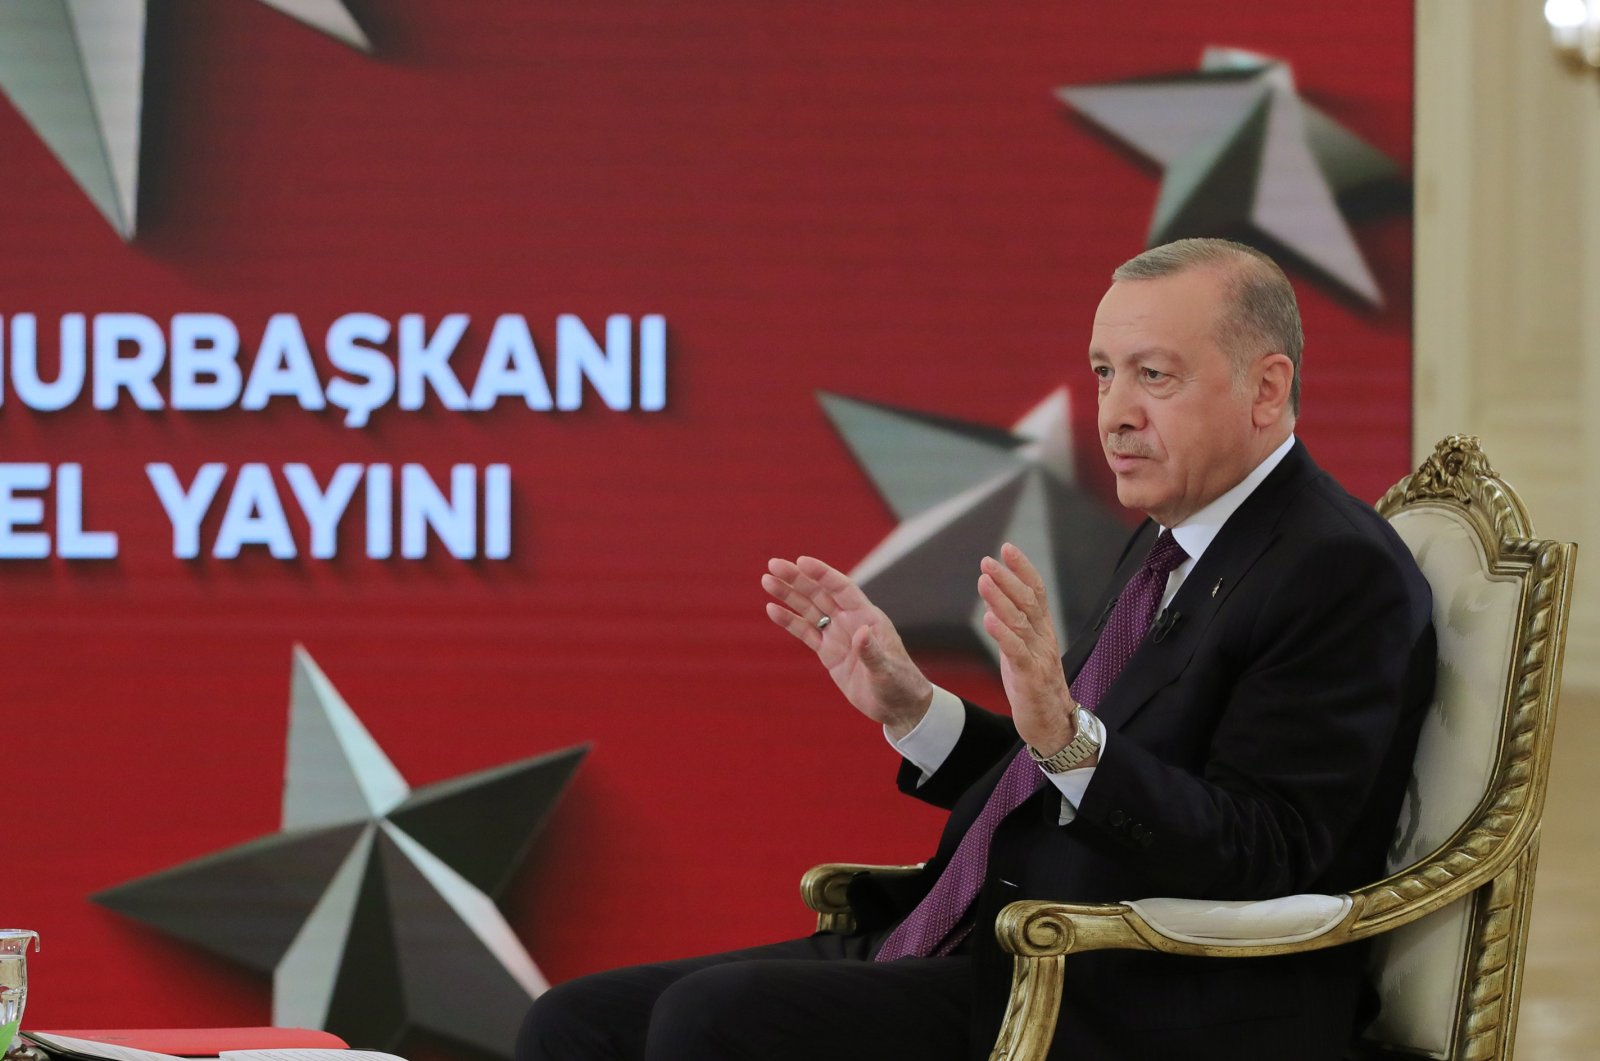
x: 1127, y: 446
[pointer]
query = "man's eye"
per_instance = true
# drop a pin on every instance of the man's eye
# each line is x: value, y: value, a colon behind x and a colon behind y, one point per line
x: 1151, y: 375
x: 1101, y: 371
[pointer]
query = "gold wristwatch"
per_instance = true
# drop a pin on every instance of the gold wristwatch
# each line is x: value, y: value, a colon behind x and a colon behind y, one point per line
x: 1085, y: 745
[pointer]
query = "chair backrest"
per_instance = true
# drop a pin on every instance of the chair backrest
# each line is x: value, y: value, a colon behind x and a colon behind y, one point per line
x: 1449, y: 982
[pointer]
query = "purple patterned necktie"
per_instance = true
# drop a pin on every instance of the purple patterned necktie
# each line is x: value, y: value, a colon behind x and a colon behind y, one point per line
x: 927, y: 930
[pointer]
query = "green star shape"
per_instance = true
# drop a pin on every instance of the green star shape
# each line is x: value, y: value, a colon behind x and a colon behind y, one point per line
x: 1243, y: 152
x: 372, y: 907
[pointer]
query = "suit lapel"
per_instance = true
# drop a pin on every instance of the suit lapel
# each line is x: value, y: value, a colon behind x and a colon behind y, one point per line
x: 1162, y: 656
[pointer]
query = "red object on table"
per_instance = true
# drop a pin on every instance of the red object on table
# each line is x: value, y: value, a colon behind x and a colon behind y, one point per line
x: 208, y: 1042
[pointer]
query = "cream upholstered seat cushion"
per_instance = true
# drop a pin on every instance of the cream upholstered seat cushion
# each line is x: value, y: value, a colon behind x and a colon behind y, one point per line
x: 1418, y: 967
x: 1289, y: 919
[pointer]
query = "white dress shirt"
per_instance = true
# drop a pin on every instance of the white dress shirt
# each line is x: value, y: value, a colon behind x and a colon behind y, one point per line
x: 930, y: 743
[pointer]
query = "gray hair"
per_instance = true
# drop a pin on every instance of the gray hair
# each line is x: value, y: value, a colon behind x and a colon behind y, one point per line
x: 1261, y: 316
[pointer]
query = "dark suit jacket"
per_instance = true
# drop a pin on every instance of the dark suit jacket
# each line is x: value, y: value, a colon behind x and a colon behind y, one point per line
x: 1259, y: 749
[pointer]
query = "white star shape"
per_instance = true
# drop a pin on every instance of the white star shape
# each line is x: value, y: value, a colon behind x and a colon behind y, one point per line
x: 961, y: 490
x: 75, y: 71
x: 372, y: 906
x: 1241, y: 149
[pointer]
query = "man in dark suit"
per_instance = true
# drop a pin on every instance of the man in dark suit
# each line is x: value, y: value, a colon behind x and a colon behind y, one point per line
x: 1252, y: 741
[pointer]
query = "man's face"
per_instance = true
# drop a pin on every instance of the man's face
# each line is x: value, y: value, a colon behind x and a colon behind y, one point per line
x: 1176, y: 427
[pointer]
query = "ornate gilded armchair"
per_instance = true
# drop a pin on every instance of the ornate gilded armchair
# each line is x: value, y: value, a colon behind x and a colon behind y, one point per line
x: 1452, y: 916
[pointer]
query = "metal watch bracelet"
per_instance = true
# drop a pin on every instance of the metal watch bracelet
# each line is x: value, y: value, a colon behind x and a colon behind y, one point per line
x: 1084, y: 745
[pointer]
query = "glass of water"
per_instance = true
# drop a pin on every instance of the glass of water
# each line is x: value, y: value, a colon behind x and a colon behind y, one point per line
x: 13, y: 980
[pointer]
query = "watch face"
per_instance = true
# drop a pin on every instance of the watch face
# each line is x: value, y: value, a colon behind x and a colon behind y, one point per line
x: 1083, y: 745
x: 1089, y: 730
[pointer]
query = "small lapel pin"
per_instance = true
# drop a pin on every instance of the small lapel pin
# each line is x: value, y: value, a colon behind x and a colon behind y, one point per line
x: 1216, y: 587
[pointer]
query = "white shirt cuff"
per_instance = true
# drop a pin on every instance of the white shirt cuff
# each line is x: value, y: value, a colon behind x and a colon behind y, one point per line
x: 932, y: 740
x: 1074, y: 783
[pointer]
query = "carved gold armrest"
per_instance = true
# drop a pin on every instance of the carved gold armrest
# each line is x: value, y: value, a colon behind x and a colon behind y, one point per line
x: 1042, y: 934
x: 823, y: 889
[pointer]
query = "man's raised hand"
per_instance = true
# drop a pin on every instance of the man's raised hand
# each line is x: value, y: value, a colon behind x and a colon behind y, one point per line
x: 858, y: 645
x: 1018, y: 619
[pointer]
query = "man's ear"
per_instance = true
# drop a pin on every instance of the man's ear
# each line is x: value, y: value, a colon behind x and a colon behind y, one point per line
x: 1273, y: 380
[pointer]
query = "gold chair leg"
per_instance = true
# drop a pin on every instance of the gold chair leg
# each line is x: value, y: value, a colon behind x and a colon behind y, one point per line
x: 1030, y: 1020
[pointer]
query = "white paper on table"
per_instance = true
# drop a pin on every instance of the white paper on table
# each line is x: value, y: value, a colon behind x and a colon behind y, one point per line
x: 89, y: 1047
x: 112, y: 1052
x: 304, y: 1054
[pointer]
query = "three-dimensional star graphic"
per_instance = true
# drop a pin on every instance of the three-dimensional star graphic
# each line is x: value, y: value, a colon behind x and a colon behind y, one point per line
x: 961, y: 490
x: 1241, y: 150
x: 75, y: 71
x: 372, y: 907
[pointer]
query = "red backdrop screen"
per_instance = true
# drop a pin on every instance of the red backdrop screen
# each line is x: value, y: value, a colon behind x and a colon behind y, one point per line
x: 883, y: 201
